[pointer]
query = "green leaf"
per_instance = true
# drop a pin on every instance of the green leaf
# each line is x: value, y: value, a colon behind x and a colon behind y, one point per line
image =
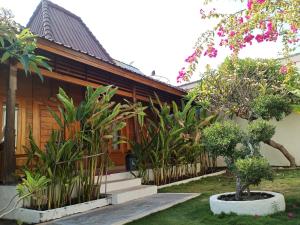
x: 5, y: 56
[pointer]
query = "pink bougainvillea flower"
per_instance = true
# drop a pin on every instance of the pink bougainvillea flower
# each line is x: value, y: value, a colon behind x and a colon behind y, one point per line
x: 223, y: 42
x: 248, y: 38
x: 221, y: 32
x: 191, y: 58
x: 240, y: 20
x: 259, y: 38
x: 211, y: 52
x: 250, y: 4
x: 231, y: 33
x: 181, y: 75
x: 283, y: 69
x: 294, y: 29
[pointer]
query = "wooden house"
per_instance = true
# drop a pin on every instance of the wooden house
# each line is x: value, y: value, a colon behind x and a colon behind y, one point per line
x: 78, y: 60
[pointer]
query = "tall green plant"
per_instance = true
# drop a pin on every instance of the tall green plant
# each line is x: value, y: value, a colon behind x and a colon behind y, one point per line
x: 171, y: 141
x: 76, y: 155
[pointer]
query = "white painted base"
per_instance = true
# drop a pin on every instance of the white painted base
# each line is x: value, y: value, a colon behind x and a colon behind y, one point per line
x: 256, y: 207
x: 120, y: 184
x: 191, y: 179
x: 34, y: 216
x: 128, y: 194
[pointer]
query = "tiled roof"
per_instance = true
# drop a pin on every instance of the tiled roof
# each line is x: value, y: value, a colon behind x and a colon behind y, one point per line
x: 128, y: 67
x: 57, y: 24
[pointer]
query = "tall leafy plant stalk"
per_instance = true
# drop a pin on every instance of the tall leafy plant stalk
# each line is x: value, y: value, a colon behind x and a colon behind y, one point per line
x: 171, y: 142
x: 76, y: 155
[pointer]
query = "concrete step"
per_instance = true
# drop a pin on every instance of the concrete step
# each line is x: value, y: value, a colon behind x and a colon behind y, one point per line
x: 115, y: 185
x: 128, y: 194
x: 117, y: 176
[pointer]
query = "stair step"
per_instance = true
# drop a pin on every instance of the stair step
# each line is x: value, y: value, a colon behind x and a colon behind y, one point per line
x: 115, y: 185
x: 117, y: 176
x: 128, y: 194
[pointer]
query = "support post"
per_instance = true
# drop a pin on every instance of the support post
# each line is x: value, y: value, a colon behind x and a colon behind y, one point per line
x: 9, y: 158
x: 135, y: 121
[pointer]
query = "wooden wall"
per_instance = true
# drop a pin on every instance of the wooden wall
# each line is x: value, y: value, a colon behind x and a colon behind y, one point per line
x: 33, y: 99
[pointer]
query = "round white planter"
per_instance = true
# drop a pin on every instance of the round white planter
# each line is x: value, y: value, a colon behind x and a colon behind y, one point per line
x: 255, y: 207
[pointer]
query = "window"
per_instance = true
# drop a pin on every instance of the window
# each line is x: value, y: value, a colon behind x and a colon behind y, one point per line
x: 4, y: 122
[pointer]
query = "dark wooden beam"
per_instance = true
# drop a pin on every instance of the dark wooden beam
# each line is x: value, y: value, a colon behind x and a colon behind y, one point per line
x: 9, y: 159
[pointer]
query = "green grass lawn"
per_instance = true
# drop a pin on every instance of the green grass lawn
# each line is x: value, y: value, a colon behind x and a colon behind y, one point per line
x: 196, y: 211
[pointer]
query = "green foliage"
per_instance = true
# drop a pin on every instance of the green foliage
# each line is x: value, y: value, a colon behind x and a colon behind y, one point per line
x: 260, y: 131
x: 76, y: 155
x: 18, y: 45
x: 271, y: 106
x: 222, y: 138
x: 252, y: 170
x: 33, y: 187
x: 244, y: 161
x: 237, y: 84
x: 171, y: 142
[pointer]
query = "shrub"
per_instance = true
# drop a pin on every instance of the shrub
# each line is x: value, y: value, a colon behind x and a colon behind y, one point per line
x: 252, y: 170
x: 260, y: 130
x: 271, y: 106
x: 222, y: 138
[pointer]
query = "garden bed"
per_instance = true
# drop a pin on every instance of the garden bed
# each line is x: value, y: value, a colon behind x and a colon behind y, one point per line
x: 184, y: 181
x: 32, y: 216
x: 260, y: 204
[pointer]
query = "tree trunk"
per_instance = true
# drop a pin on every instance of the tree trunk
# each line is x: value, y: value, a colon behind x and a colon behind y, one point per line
x: 238, y: 191
x: 283, y: 150
x: 9, y: 159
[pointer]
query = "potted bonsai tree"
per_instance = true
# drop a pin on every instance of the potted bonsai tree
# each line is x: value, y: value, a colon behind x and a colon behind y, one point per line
x: 241, y: 152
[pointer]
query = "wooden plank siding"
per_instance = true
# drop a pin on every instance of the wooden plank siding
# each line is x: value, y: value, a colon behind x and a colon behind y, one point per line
x: 33, y: 99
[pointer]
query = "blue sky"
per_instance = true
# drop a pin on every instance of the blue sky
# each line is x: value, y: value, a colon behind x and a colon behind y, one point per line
x: 154, y: 35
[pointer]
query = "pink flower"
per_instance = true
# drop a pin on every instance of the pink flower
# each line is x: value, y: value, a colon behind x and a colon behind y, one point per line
x: 191, y: 58
x: 294, y: 28
x: 248, y: 38
x: 221, y: 32
x: 250, y: 4
x: 240, y: 20
x: 181, y: 74
x: 223, y: 42
x: 211, y: 52
x: 283, y: 69
x: 231, y: 33
x: 260, y: 1
x: 259, y: 38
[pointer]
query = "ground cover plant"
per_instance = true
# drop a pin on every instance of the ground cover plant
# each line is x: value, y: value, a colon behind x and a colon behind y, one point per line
x: 197, y: 211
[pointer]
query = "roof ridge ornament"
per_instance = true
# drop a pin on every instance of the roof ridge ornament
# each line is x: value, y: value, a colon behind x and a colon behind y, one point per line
x: 46, y: 21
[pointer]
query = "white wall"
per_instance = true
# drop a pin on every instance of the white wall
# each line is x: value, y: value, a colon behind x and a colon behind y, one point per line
x: 288, y: 134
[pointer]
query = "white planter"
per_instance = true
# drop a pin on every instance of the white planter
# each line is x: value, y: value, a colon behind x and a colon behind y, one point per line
x: 31, y: 216
x: 255, y: 207
x: 191, y: 179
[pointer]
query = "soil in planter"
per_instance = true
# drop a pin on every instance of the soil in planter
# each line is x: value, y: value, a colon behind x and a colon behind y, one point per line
x: 245, y: 197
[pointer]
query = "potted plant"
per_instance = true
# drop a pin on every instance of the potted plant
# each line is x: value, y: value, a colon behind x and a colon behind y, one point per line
x: 241, y: 152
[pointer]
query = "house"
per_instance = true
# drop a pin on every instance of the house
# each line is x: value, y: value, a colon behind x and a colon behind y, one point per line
x: 78, y: 60
x: 287, y: 130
